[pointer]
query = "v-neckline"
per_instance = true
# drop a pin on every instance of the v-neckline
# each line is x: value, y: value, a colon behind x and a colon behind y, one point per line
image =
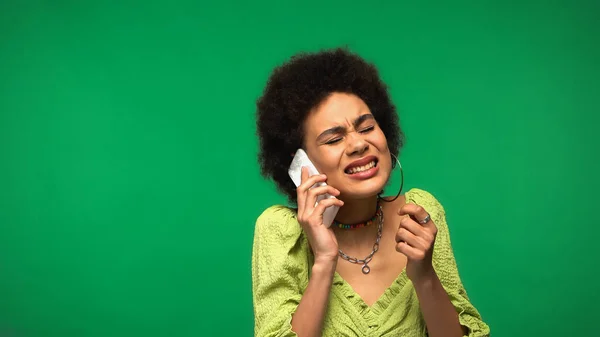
x: 381, y: 304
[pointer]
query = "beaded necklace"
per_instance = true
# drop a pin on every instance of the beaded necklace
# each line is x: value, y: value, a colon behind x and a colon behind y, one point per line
x: 360, y: 224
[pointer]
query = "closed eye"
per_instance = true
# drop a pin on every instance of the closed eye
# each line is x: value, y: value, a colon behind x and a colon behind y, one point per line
x: 367, y: 129
x: 333, y: 141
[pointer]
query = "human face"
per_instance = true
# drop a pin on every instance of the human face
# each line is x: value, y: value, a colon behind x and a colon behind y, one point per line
x: 345, y: 143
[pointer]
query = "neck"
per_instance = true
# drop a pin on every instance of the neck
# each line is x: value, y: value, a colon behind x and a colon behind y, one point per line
x: 356, y: 211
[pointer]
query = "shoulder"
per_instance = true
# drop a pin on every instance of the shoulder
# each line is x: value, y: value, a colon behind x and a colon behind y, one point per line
x: 425, y: 199
x: 277, y: 222
x: 431, y: 204
x: 279, y: 244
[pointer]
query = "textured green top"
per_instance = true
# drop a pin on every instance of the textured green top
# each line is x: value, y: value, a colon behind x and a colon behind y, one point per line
x: 281, y: 261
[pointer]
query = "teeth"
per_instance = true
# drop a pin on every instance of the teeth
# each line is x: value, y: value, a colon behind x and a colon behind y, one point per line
x: 361, y: 168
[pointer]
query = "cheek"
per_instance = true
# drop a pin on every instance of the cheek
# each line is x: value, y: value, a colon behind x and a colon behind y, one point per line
x: 380, y: 142
x: 328, y: 160
x: 388, y: 163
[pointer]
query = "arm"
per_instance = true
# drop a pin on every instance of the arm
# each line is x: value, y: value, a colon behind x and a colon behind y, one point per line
x: 443, y: 298
x: 439, y: 314
x: 279, y: 272
x: 286, y: 302
x: 446, y: 268
x: 416, y: 241
x: 308, y: 318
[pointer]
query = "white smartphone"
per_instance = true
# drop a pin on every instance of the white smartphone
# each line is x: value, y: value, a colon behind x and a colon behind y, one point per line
x: 295, y: 171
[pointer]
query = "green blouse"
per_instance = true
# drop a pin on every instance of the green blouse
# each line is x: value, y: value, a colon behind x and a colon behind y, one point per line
x: 281, y: 262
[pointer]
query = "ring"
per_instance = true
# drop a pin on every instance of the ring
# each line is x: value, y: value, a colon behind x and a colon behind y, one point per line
x: 426, y: 220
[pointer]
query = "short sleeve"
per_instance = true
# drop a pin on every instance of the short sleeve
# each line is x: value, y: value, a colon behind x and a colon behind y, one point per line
x: 445, y: 266
x: 279, y: 271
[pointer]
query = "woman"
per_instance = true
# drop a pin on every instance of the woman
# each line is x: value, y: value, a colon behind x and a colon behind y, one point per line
x: 385, y: 267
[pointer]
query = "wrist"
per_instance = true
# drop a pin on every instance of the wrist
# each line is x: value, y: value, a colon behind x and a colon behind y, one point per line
x: 326, y: 259
x: 324, y: 266
x: 426, y: 280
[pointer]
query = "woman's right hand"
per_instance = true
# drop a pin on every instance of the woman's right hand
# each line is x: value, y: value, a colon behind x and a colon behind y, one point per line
x: 321, y: 239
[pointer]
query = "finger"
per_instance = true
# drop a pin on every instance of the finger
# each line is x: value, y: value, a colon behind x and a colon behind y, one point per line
x: 410, y: 252
x: 317, y: 214
x: 318, y: 179
x: 413, y: 227
x: 315, y: 192
x: 307, y: 183
x: 303, y: 173
x: 403, y: 235
x: 415, y: 211
x: 299, y: 197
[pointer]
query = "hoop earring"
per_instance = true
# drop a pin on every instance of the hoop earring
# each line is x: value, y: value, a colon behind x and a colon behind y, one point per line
x: 401, y: 183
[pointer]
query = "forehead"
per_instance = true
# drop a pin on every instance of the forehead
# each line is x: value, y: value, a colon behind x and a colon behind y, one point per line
x: 337, y: 110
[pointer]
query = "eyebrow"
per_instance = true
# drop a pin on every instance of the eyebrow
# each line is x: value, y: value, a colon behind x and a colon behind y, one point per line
x: 339, y: 129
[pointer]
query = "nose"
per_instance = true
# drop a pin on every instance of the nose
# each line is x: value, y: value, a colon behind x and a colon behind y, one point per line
x: 356, y: 144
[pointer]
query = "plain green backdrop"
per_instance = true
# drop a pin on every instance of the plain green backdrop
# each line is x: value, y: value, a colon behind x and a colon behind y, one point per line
x: 128, y: 174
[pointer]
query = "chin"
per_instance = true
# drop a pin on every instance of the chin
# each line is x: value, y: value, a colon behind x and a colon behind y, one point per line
x: 364, y: 189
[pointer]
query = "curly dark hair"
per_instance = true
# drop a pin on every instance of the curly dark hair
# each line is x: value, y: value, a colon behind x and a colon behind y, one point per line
x: 301, y: 84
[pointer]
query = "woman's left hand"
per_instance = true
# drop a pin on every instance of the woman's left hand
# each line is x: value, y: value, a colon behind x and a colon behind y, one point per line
x: 416, y: 240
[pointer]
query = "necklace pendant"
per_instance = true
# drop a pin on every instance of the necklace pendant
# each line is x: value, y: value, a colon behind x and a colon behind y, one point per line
x: 366, y: 269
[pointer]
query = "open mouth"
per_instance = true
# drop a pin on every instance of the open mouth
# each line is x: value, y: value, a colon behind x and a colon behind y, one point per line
x: 361, y: 168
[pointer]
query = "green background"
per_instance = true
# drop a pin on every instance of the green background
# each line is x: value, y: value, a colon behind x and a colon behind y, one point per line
x: 128, y: 176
